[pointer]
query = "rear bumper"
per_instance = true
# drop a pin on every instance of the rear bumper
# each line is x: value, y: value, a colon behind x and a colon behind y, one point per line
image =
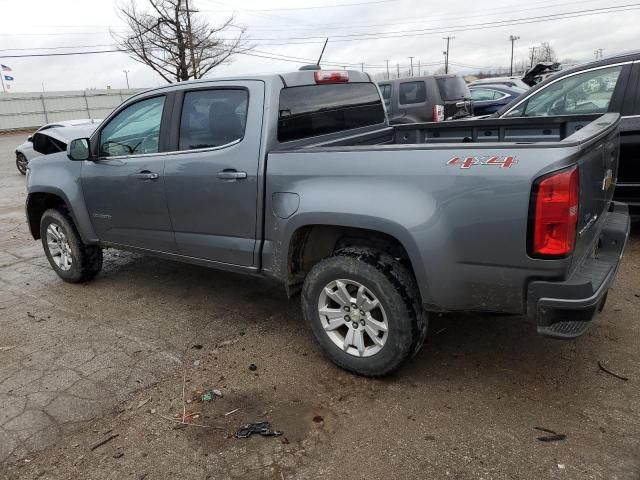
x: 566, y: 309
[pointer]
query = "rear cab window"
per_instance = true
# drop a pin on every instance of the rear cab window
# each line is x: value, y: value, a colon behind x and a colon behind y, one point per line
x: 412, y: 92
x: 452, y: 88
x: 311, y: 110
x: 386, y: 94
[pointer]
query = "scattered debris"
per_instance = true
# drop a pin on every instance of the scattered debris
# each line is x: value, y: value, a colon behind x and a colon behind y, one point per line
x: 4, y: 349
x: 144, y: 402
x: 259, y: 428
x: 441, y: 330
x: 253, y: 367
x: 118, y: 455
x: 153, y: 411
x: 318, y: 419
x: 197, y: 347
x: 554, y: 437
x: 232, y: 411
x: 562, y: 466
x: 196, y: 363
x: 106, y: 440
x: 182, y: 419
x: 606, y: 370
x: 30, y: 315
x: 285, y: 441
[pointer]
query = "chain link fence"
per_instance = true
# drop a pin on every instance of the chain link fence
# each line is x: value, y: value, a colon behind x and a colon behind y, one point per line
x: 32, y: 110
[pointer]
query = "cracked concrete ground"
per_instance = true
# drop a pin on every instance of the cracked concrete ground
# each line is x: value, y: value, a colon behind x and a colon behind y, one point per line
x: 82, y: 363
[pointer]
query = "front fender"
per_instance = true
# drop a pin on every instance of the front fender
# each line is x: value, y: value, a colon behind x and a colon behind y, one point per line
x: 56, y: 175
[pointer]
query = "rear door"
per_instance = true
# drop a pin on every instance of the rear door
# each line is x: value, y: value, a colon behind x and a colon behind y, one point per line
x: 212, y: 175
x: 124, y: 188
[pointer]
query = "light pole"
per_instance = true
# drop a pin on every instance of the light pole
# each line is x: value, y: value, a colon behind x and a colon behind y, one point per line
x: 126, y: 74
x: 411, y: 69
x: 513, y: 39
x: 387, y: 69
x: 446, y: 53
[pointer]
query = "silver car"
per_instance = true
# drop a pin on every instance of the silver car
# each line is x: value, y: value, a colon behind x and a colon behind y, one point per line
x: 26, y: 151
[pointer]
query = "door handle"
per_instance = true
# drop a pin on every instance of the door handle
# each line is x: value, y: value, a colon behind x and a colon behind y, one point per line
x: 146, y: 175
x: 231, y: 174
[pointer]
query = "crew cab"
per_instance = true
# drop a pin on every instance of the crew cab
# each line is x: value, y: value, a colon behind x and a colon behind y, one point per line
x: 299, y: 178
x: 608, y: 85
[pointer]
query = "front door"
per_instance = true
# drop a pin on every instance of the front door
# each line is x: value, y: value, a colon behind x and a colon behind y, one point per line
x: 212, y: 178
x: 124, y: 188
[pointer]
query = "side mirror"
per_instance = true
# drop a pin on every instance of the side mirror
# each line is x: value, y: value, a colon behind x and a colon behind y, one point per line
x: 78, y: 149
x: 30, y: 138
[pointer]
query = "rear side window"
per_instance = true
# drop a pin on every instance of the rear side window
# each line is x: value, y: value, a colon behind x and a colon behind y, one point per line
x: 313, y: 110
x: 212, y: 118
x: 587, y: 92
x: 412, y: 92
x: 480, y: 95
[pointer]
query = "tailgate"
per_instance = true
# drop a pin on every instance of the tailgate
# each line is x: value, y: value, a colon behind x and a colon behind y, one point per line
x: 598, y: 167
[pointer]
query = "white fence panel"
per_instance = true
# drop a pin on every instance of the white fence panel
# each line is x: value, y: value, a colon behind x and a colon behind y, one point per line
x: 31, y: 110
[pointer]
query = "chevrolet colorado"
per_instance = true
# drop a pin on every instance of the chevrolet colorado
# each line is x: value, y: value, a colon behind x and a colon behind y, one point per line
x: 299, y: 177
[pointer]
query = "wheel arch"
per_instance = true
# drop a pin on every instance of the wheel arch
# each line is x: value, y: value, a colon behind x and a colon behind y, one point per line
x: 38, y: 203
x: 309, y: 242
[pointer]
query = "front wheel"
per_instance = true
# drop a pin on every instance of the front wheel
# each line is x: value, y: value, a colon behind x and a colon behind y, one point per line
x: 21, y: 163
x: 363, y: 309
x: 70, y: 258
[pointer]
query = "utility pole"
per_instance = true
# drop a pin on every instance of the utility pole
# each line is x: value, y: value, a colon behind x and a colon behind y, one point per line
x: 418, y: 67
x: 411, y: 68
x: 446, y: 53
x: 398, y: 67
x: 126, y: 74
x: 598, y: 53
x: 533, y: 53
x: 190, y: 39
x: 387, y: 69
x: 362, y: 66
x: 513, y: 39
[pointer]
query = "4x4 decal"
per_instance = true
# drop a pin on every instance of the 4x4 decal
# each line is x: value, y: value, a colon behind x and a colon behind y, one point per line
x: 468, y: 162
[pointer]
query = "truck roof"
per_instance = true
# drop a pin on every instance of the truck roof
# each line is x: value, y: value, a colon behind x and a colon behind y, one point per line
x: 289, y: 79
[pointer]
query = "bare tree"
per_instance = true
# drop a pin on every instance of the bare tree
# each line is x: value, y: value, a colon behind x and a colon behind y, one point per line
x: 175, y: 42
x: 545, y: 53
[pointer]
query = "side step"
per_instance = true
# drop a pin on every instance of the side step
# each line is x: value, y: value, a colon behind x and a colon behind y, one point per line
x: 564, y: 330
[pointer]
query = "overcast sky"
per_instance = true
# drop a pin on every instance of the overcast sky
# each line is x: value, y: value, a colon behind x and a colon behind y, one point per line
x: 283, y: 27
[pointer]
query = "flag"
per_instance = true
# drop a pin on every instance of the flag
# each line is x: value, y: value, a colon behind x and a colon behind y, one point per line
x: 4, y: 68
x: 8, y: 78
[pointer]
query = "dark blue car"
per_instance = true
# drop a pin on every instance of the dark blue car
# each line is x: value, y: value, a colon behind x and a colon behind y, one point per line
x: 488, y: 99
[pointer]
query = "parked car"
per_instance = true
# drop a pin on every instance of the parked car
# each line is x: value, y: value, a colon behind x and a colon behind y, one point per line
x: 26, y: 152
x: 506, y: 81
x: 299, y: 178
x: 488, y: 99
x: 608, y: 85
x: 431, y: 98
x: 540, y: 72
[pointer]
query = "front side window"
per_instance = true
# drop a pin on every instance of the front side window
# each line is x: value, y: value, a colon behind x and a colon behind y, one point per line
x: 587, y: 92
x: 412, y: 92
x: 133, y: 131
x: 212, y: 118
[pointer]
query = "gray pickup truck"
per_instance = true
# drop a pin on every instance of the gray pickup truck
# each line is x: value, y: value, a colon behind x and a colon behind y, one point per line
x: 299, y: 178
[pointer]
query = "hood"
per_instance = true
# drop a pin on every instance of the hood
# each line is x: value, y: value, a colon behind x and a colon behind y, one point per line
x: 66, y: 134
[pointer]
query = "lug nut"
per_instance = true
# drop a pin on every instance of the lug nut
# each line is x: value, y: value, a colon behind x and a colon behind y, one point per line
x: 362, y: 322
x: 354, y: 306
x: 347, y: 318
x: 355, y: 324
x: 346, y: 309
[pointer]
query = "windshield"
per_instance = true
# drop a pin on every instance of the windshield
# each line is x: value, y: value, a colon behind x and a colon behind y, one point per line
x: 453, y: 88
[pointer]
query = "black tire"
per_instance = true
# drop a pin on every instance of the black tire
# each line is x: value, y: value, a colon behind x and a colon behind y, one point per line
x: 395, y: 288
x: 21, y: 163
x: 86, y: 260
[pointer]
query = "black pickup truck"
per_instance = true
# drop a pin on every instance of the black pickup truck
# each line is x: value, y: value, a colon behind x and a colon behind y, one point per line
x: 608, y: 85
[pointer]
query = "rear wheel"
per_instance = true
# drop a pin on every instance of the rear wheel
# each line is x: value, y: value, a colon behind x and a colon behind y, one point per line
x: 21, y: 163
x: 71, y: 259
x: 363, y: 309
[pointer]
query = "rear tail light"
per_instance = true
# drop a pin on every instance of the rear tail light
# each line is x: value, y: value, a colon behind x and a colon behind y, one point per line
x: 339, y: 76
x: 555, y: 200
x: 438, y: 113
